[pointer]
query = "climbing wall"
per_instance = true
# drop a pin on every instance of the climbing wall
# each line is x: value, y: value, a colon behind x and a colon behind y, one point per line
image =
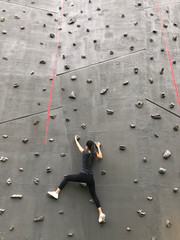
x: 113, y: 84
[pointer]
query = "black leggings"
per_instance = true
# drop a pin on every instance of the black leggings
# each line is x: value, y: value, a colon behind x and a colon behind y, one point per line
x: 84, y: 178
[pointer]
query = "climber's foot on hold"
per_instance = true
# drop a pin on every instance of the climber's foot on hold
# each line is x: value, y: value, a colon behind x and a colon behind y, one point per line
x: 53, y: 194
x: 102, y: 218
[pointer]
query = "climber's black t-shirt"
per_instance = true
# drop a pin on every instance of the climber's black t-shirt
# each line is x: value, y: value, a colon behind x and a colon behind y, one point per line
x: 85, y: 167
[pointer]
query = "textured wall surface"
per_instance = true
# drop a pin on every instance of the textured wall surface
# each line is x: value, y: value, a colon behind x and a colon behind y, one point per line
x: 120, y: 46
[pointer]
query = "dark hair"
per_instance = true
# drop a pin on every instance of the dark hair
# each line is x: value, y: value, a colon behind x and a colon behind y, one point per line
x: 91, y: 146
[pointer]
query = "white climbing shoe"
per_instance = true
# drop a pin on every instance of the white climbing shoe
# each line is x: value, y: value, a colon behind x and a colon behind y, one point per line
x: 53, y: 194
x: 102, y: 218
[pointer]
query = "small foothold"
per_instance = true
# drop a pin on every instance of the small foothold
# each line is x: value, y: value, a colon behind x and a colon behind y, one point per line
x: 144, y: 159
x: 103, y: 91
x: 16, y: 85
x: 78, y: 137
x: 63, y: 89
x: 103, y: 172
x: 135, y: 23
x: 36, y: 122
x: 3, y: 159
x: 38, y: 219
x: 5, y: 58
x: 151, y: 40
x: 70, y: 234
x: 153, y: 238
x: 111, y: 53
x: 53, y: 116
x: 132, y: 125
x: 62, y: 154
x: 139, y: 104
x: 18, y: 196
x: 175, y: 38
x: 174, y: 62
x: 64, y: 56
x: 163, y: 95
x: 11, y: 228
x: 38, y: 103
x: 67, y: 67
x: 2, y: 211
x: 176, y: 127
x: 25, y: 140
x: 44, y: 25
x: 51, y: 140
x: 72, y: 95
x: 9, y: 181
x: 83, y: 56
x: 151, y: 81
x: 122, y: 147
x: 168, y: 224
x: 48, y: 170
x: 139, y: 4
x: 61, y: 211
x: 98, y: 9
x: 141, y: 213
x: 16, y: 17
x: 52, y: 35
x: 95, y: 41
x: 110, y: 112
x: 165, y: 25
x: 128, y: 229
x: 125, y: 34
x: 135, y: 180
x: 150, y: 198
x: 36, y: 154
x: 71, y: 21
x: 49, y: 14
x: 151, y: 58
x: 83, y: 125
x: 131, y: 48
x: 42, y: 62
x: 75, y: 109
x: 154, y: 31
x: 156, y: 116
x: 156, y: 135
x: 32, y: 72
x: 126, y: 83
x: 22, y: 27
x: 162, y: 49
x: 89, y: 81
x: 2, y: 19
x: 36, y: 181
x: 162, y: 170
x: 73, y: 78
x: 87, y: 30
x: 136, y: 70
x: 166, y: 154
x: 91, y: 201
x: 84, y: 185
x: 175, y: 24
x: 122, y: 16
x: 5, y: 136
x: 171, y: 105
x: 162, y: 71
x: 175, y: 190
x: 21, y: 169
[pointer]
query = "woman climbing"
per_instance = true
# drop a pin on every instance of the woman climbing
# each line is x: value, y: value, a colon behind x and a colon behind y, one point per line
x: 86, y: 174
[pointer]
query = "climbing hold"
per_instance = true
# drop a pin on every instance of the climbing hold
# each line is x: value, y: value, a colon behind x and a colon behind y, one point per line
x: 166, y: 154
x: 72, y: 21
x: 70, y: 234
x: 42, y: 62
x: 122, y: 16
x: 5, y: 58
x: 36, y: 181
x: 83, y: 56
x: 135, y: 180
x: 162, y: 170
x: 128, y: 229
x: 25, y: 140
x: 176, y: 127
x: 171, y: 105
x: 36, y: 122
x: 62, y: 154
x: 122, y: 147
x: 2, y: 211
x: 18, y: 196
x: 61, y: 211
x: 139, y: 104
x: 21, y: 169
x: 162, y: 49
x: 141, y: 213
x: 175, y: 38
x: 175, y: 190
x: 36, y: 154
x: 78, y: 137
x: 51, y: 140
x: 125, y: 34
x: 11, y: 228
x: 48, y: 170
x: 111, y: 52
x: 126, y: 83
x: 84, y: 185
x: 103, y: 172
x: 3, y: 159
x: 75, y: 109
x: 175, y: 24
x: 154, y: 31
x: 67, y: 67
x: 131, y: 48
x: 165, y: 25
x: 168, y: 224
x: 72, y: 95
x: 91, y: 201
x: 52, y: 35
x: 16, y: 85
x: 156, y: 135
x: 132, y: 125
x: 110, y: 112
x: 144, y: 159
x: 53, y: 116
x: 151, y: 81
x: 103, y: 91
x: 163, y: 95
x: 22, y: 27
x: 9, y: 181
x: 150, y: 198
x: 2, y: 19
x: 174, y: 61
x: 83, y: 125
x: 135, y: 23
x: 5, y: 136
x: 162, y: 71
x: 16, y: 17
x: 73, y: 78
x: 38, y: 219
x: 49, y: 14
x: 89, y: 81
x: 151, y: 40
x: 156, y: 116
x: 136, y: 70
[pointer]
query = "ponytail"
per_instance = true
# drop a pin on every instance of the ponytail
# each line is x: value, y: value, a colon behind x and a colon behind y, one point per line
x: 91, y: 147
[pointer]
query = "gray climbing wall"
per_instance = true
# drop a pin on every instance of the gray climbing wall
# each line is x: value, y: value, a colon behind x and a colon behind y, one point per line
x: 114, y: 45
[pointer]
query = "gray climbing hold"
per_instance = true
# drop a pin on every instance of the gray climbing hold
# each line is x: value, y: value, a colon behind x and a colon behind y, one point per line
x: 165, y: 25
x: 125, y: 34
x: 16, y: 17
x: 75, y: 109
x: 168, y: 224
x: 16, y: 85
x: 72, y: 95
x: 131, y: 48
x: 163, y: 94
x: 175, y: 38
x: 44, y: 89
x: 149, y: 198
x: 62, y: 154
x: 38, y: 219
x: 3, y: 159
x: 22, y: 27
x: 83, y: 125
x: 171, y: 105
x: 141, y: 213
x: 139, y: 104
x: 2, y: 211
x: 21, y: 169
x: 42, y: 62
x: 128, y: 229
x: 70, y: 234
x: 72, y: 21
x: 48, y: 170
x: 36, y: 181
x: 156, y: 116
x: 122, y: 147
x: 174, y: 61
x: 151, y: 40
x: 17, y: 196
x: 11, y: 228
x: 126, y: 83
x: 36, y: 122
x: 89, y: 81
x: 110, y: 112
x: 175, y: 190
x: 91, y: 201
x: 156, y: 135
x: 9, y: 181
x: 162, y: 49
x: 52, y: 35
x: 63, y: 89
x: 135, y: 23
x: 83, y: 185
x: 61, y: 211
x: 151, y: 81
x: 162, y: 71
x: 123, y: 16
x: 162, y: 170
x: 136, y: 70
x: 176, y: 127
x: 166, y: 154
x: 103, y: 91
x: 144, y: 159
x: 103, y: 172
x: 36, y: 154
x: 25, y: 140
x: 51, y: 140
x: 67, y: 119
x: 135, y: 180
x: 2, y: 19
x: 5, y: 136
x: 154, y: 31
x: 73, y: 78
x: 132, y: 125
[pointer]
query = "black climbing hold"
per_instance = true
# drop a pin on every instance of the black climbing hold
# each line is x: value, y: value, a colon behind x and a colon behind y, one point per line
x: 67, y: 119
x: 151, y: 58
x: 53, y: 116
x: 165, y: 25
x: 139, y: 104
x: 67, y: 67
x: 50, y: 14
x: 156, y: 116
x: 156, y: 135
x: 71, y: 21
x: 176, y: 127
x: 154, y: 31
x: 36, y: 122
x: 83, y: 125
x: 87, y: 30
x: 61, y: 211
x: 36, y: 181
x: 122, y: 16
x: 103, y: 172
x: 42, y: 62
x: 36, y: 154
x: 111, y: 52
x: 44, y: 25
x: 89, y: 81
x: 25, y: 140
x: 162, y: 49
x: 175, y: 38
x: 168, y: 224
x: 135, y: 23
x: 163, y: 95
x: 122, y: 147
x: 151, y: 81
x: 52, y: 35
x: 136, y: 70
x: 131, y: 48
x: 110, y: 112
x: 171, y: 105
x: 125, y: 34
x: 174, y: 62
x: 16, y: 85
x: 151, y: 40
x: 126, y: 83
x: 48, y: 170
x: 175, y: 190
x: 83, y: 56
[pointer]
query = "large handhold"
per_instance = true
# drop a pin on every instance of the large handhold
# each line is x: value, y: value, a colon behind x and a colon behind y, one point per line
x: 166, y: 154
x: 3, y: 159
x: 141, y: 213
